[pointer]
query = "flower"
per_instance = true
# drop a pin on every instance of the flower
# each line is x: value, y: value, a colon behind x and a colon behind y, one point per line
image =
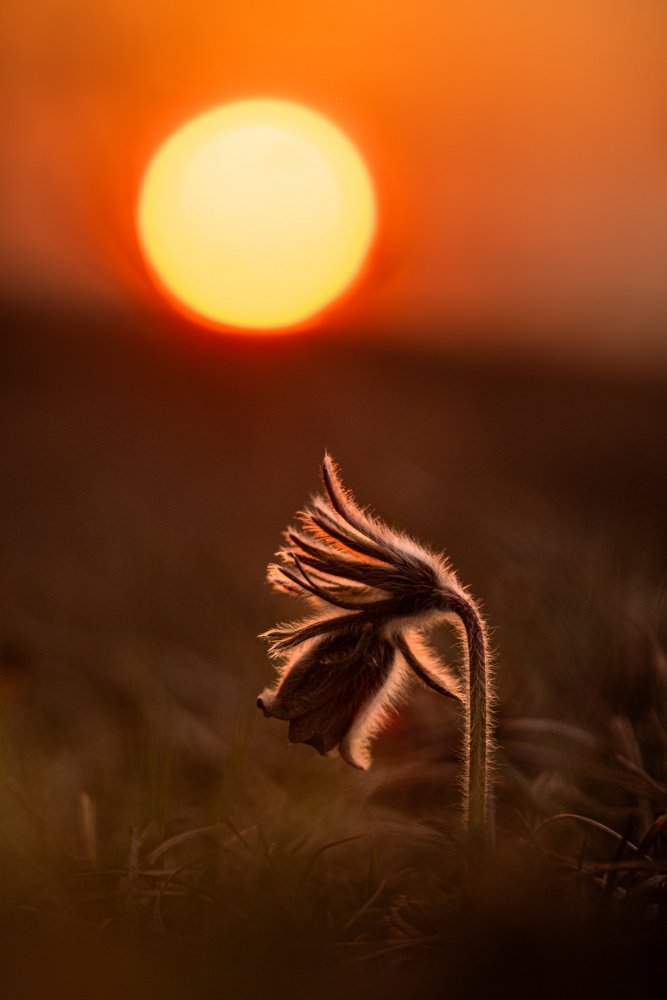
x: 375, y: 591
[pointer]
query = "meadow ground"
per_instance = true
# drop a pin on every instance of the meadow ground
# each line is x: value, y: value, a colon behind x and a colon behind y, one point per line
x: 158, y: 837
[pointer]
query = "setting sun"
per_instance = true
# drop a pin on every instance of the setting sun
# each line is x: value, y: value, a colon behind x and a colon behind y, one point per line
x: 256, y: 215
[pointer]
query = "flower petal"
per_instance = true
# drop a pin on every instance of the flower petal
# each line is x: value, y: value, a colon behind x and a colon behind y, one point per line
x: 427, y: 666
x: 328, y: 688
x: 374, y: 715
x: 346, y: 508
x: 322, y: 517
x: 328, y: 670
x: 287, y: 636
x: 324, y: 727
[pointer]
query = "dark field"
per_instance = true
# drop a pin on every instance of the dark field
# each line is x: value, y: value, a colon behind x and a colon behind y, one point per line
x: 158, y: 837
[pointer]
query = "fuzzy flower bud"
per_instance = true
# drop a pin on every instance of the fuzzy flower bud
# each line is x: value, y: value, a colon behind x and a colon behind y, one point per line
x: 376, y: 591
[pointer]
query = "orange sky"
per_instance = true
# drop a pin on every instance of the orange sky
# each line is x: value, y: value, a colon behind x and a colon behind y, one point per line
x: 520, y: 148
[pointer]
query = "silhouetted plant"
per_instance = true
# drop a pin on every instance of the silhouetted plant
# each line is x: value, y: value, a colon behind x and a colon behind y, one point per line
x: 341, y: 671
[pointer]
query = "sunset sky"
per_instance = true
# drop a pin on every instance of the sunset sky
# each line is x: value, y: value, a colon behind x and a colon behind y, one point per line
x: 519, y: 150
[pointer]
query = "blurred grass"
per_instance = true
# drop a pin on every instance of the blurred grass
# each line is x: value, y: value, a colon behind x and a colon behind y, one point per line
x: 157, y: 835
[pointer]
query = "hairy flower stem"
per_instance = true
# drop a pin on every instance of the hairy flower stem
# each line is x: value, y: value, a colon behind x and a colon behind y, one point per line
x: 478, y: 748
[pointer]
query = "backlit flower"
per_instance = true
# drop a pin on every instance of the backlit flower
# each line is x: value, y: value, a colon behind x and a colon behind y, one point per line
x: 375, y: 592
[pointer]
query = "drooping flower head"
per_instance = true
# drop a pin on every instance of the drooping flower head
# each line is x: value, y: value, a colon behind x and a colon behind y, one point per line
x: 375, y: 592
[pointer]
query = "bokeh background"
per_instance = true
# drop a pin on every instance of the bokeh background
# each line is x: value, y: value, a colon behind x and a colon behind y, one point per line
x: 497, y: 387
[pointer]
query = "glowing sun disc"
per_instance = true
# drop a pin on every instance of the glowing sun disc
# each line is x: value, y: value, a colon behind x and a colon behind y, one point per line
x: 257, y: 214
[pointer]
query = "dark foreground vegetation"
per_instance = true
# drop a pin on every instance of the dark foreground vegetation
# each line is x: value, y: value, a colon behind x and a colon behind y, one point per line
x: 158, y: 838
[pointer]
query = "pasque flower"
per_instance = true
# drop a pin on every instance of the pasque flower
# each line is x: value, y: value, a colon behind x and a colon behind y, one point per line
x: 375, y: 592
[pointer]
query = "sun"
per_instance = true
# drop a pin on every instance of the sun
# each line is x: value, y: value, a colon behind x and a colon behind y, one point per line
x: 256, y: 215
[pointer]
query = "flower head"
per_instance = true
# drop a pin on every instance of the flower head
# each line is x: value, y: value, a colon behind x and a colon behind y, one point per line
x: 375, y: 590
